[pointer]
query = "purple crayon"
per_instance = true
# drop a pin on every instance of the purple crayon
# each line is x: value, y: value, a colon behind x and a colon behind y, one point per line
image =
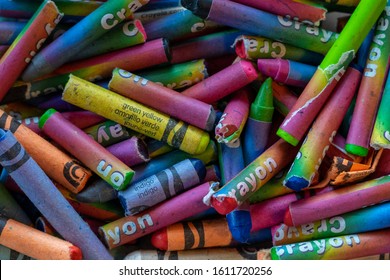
x: 48, y: 199
x: 80, y: 145
x: 131, y: 151
x: 161, y: 98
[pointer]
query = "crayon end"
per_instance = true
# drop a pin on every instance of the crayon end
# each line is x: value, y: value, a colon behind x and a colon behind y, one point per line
x: 75, y: 253
x: 45, y: 116
x: 287, y: 219
x: 240, y: 225
x: 204, y: 142
x: 287, y: 137
x: 159, y: 239
x: 296, y: 183
x: 240, y: 48
x: 30, y: 73
x: 356, y: 150
x: 223, y: 205
x: 249, y: 69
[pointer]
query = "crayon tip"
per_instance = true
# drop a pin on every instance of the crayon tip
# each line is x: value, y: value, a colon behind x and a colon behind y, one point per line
x: 204, y: 142
x: 287, y: 220
x: 240, y: 225
x: 296, y: 183
x: 75, y: 253
x: 287, y: 137
x: 45, y: 116
x: 225, y: 205
x: 356, y: 150
x: 159, y: 239
x: 262, y: 107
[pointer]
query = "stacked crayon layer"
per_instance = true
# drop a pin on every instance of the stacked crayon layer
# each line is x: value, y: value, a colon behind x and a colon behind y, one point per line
x: 194, y: 129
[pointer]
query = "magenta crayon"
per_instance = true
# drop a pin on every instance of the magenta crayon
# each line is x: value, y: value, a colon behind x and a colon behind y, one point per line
x: 81, y: 146
x: 258, y: 125
x: 224, y: 82
x: 27, y: 44
x: 255, y: 47
x: 47, y: 198
x: 338, y: 201
x: 286, y: 71
x: 206, y: 46
x: 130, y: 151
x: 9, y: 30
x: 343, y: 247
x: 252, y: 177
x: 130, y: 228
x: 234, y: 117
x: 371, y: 88
x: 329, y: 72
x: 74, y: 40
x: 262, y: 23
x: 302, y: 12
x: 162, y: 186
x: 165, y: 100
x: 320, y: 136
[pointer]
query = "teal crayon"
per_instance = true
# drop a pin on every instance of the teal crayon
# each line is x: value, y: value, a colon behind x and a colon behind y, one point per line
x: 259, y: 122
x: 286, y: 71
x: 74, y: 40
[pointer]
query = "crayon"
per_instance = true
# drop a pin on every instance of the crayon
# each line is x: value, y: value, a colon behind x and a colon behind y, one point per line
x: 380, y: 137
x: 251, y: 178
x: 364, y: 50
x: 286, y: 71
x: 131, y: 151
x: 57, y: 165
x: 206, y: 46
x: 324, y: 128
x: 259, y: 121
x: 35, y: 243
x: 47, y: 198
x: 130, y: 228
x: 108, y: 133
x: 89, y: 152
x: 163, y: 99
x: 223, y: 83
x: 367, y: 219
x: 97, y: 191
x: 136, y: 116
x: 122, y: 36
x: 212, y: 173
x: 9, y: 30
x: 27, y: 44
x: 263, y: 24
x: 199, y: 234
x: 338, y: 201
x: 82, y: 119
x: 255, y: 47
x: 10, y: 207
x: 234, y: 117
x: 342, y: 247
x: 74, y: 40
x: 162, y: 186
x: 302, y: 12
x: 157, y: 148
x: 186, y: 24
x: 238, y: 253
x: 329, y: 72
x: 371, y: 88
x: 155, y: 14
x: 177, y: 76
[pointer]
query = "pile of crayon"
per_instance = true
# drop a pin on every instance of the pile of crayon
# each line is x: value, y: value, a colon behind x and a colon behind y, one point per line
x: 194, y: 129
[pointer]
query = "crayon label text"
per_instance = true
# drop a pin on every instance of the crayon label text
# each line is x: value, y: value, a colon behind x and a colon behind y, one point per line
x: 110, y: 20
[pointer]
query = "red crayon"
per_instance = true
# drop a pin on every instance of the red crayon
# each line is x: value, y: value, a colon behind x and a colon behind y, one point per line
x: 338, y: 201
x: 224, y: 82
x: 85, y: 149
x: 163, y: 99
x: 176, y: 209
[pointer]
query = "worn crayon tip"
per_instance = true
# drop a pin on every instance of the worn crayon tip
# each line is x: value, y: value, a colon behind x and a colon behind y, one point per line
x: 75, y: 253
x: 287, y: 219
x: 223, y: 205
x: 45, y: 116
x: 287, y: 137
x: 296, y: 183
x: 240, y: 225
x: 356, y: 150
x: 159, y: 239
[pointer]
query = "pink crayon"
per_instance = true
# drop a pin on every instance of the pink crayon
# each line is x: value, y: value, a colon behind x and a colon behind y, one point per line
x: 234, y: 117
x: 224, y: 82
x: 27, y: 44
x: 174, y: 210
x: 163, y: 99
x: 85, y: 149
x: 131, y: 151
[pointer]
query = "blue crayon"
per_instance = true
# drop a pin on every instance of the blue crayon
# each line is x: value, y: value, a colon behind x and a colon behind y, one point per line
x: 162, y: 186
x: 258, y: 125
x: 231, y: 162
x: 48, y: 199
x: 97, y: 23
